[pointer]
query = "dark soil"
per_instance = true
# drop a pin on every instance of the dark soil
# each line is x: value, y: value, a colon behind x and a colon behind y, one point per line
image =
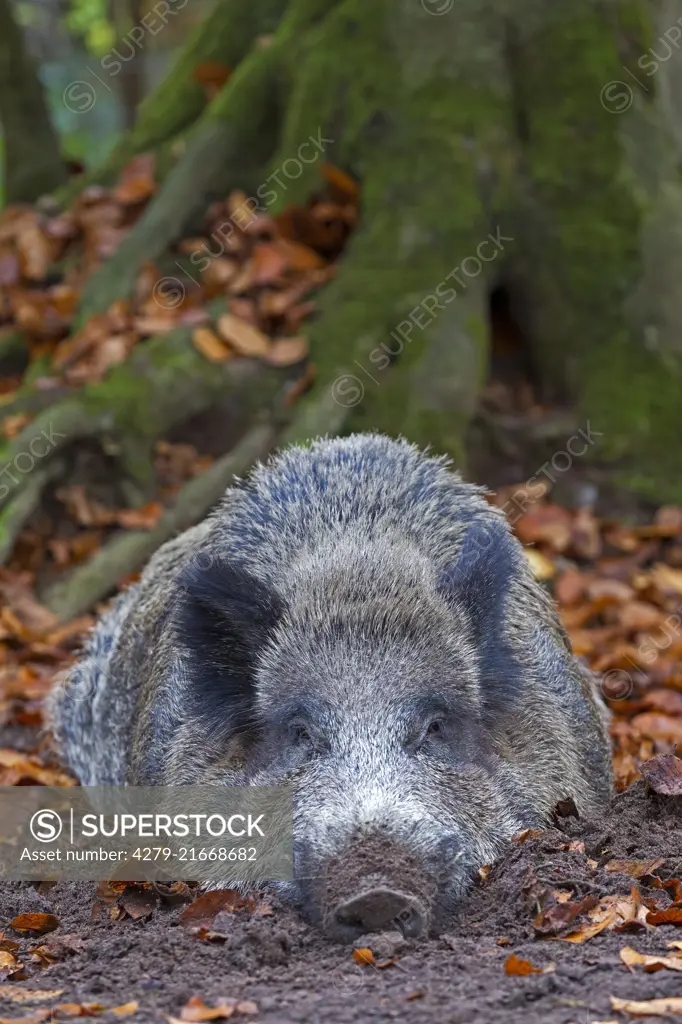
x: 294, y: 974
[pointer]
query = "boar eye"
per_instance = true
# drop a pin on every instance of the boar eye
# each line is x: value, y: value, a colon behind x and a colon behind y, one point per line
x: 436, y: 728
x: 300, y: 733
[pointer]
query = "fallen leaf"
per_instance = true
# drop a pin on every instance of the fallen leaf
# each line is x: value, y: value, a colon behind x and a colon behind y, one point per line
x: 269, y: 263
x: 548, y: 524
x: 559, y: 915
x: 514, y: 965
x: 636, y: 868
x: 31, y: 1018
x: 340, y: 182
x: 9, y: 964
x: 17, y: 994
x: 212, y: 76
x: 210, y: 345
x: 543, y: 568
x: 35, y: 924
x: 638, y: 615
x: 668, y: 915
x: 202, y: 912
x: 196, y: 1009
x: 242, y: 337
x: 287, y: 351
x: 138, y: 902
x: 144, y: 518
x: 631, y: 958
x: 570, y: 587
x: 663, y: 774
x: 658, y: 727
x: 526, y: 834
x: 136, y: 182
x: 649, y: 1007
x: 364, y: 956
x: 298, y: 256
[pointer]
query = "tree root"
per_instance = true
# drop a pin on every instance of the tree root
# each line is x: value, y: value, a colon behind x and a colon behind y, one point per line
x: 18, y: 511
x: 230, y: 147
x: 224, y: 39
x: 163, y: 384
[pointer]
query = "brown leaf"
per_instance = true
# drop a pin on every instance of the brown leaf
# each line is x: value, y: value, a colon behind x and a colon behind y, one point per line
x: 663, y: 774
x: 35, y: 250
x: 667, y: 579
x: 247, y: 1006
x: 649, y: 1007
x: 136, y: 183
x: 287, y: 351
x: 658, y: 727
x: 24, y: 767
x: 638, y: 615
x: 557, y: 916
x: 126, y: 1010
x: 515, y: 966
x: 13, y: 425
x: 548, y: 524
x: 195, y: 1009
x: 341, y: 183
x: 631, y: 958
x: 210, y: 345
x: 612, y: 912
x: 570, y: 587
x: 269, y: 263
x: 35, y: 924
x: 212, y: 76
x: 670, y: 915
x: 543, y: 568
x: 144, y: 518
x: 245, y: 339
x: 585, y: 538
x: 364, y: 957
x: 298, y: 256
x: 201, y: 913
x: 9, y: 964
x: 526, y: 834
x: 138, y: 902
x: 36, y: 1017
x: 17, y: 994
x: 636, y: 868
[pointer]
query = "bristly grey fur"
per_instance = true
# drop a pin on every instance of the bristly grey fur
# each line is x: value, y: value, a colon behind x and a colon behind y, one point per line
x: 344, y: 594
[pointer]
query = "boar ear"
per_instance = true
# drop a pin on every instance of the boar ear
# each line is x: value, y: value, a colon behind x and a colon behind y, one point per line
x: 479, y: 582
x: 224, y: 618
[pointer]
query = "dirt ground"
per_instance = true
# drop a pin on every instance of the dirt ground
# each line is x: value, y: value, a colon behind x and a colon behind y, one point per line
x: 293, y: 974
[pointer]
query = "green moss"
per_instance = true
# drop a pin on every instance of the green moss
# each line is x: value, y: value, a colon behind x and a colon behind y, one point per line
x: 415, y: 133
x: 225, y: 37
x: 587, y: 197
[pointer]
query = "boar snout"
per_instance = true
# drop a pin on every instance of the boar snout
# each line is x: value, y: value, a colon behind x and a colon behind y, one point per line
x: 381, y: 908
x: 358, y: 892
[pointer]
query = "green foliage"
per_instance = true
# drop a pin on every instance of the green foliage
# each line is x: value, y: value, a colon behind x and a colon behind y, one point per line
x: 88, y: 19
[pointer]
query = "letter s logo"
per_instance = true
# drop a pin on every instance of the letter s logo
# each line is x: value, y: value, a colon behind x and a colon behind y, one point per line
x: 46, y: 826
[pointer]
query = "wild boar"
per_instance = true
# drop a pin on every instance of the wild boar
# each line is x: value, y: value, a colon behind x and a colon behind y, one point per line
x: 358, y: 620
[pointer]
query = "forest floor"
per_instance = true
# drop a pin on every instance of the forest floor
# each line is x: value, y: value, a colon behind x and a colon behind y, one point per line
x: 153, y: 968
x: 561, y: 928
x: 556, y: 932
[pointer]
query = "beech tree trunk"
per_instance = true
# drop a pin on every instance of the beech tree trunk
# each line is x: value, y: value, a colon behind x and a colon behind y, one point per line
x: 32, y: 162
x: 497, y: 143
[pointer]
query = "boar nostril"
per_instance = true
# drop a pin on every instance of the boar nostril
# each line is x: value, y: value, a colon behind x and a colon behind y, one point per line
x: 379, y: 909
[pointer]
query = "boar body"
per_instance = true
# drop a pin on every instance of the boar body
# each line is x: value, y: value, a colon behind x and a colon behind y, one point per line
x: 358, y: 620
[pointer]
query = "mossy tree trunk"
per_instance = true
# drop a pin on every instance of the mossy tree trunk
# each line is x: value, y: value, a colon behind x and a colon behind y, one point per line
x: 32, y: 161
x: 493, y: 145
